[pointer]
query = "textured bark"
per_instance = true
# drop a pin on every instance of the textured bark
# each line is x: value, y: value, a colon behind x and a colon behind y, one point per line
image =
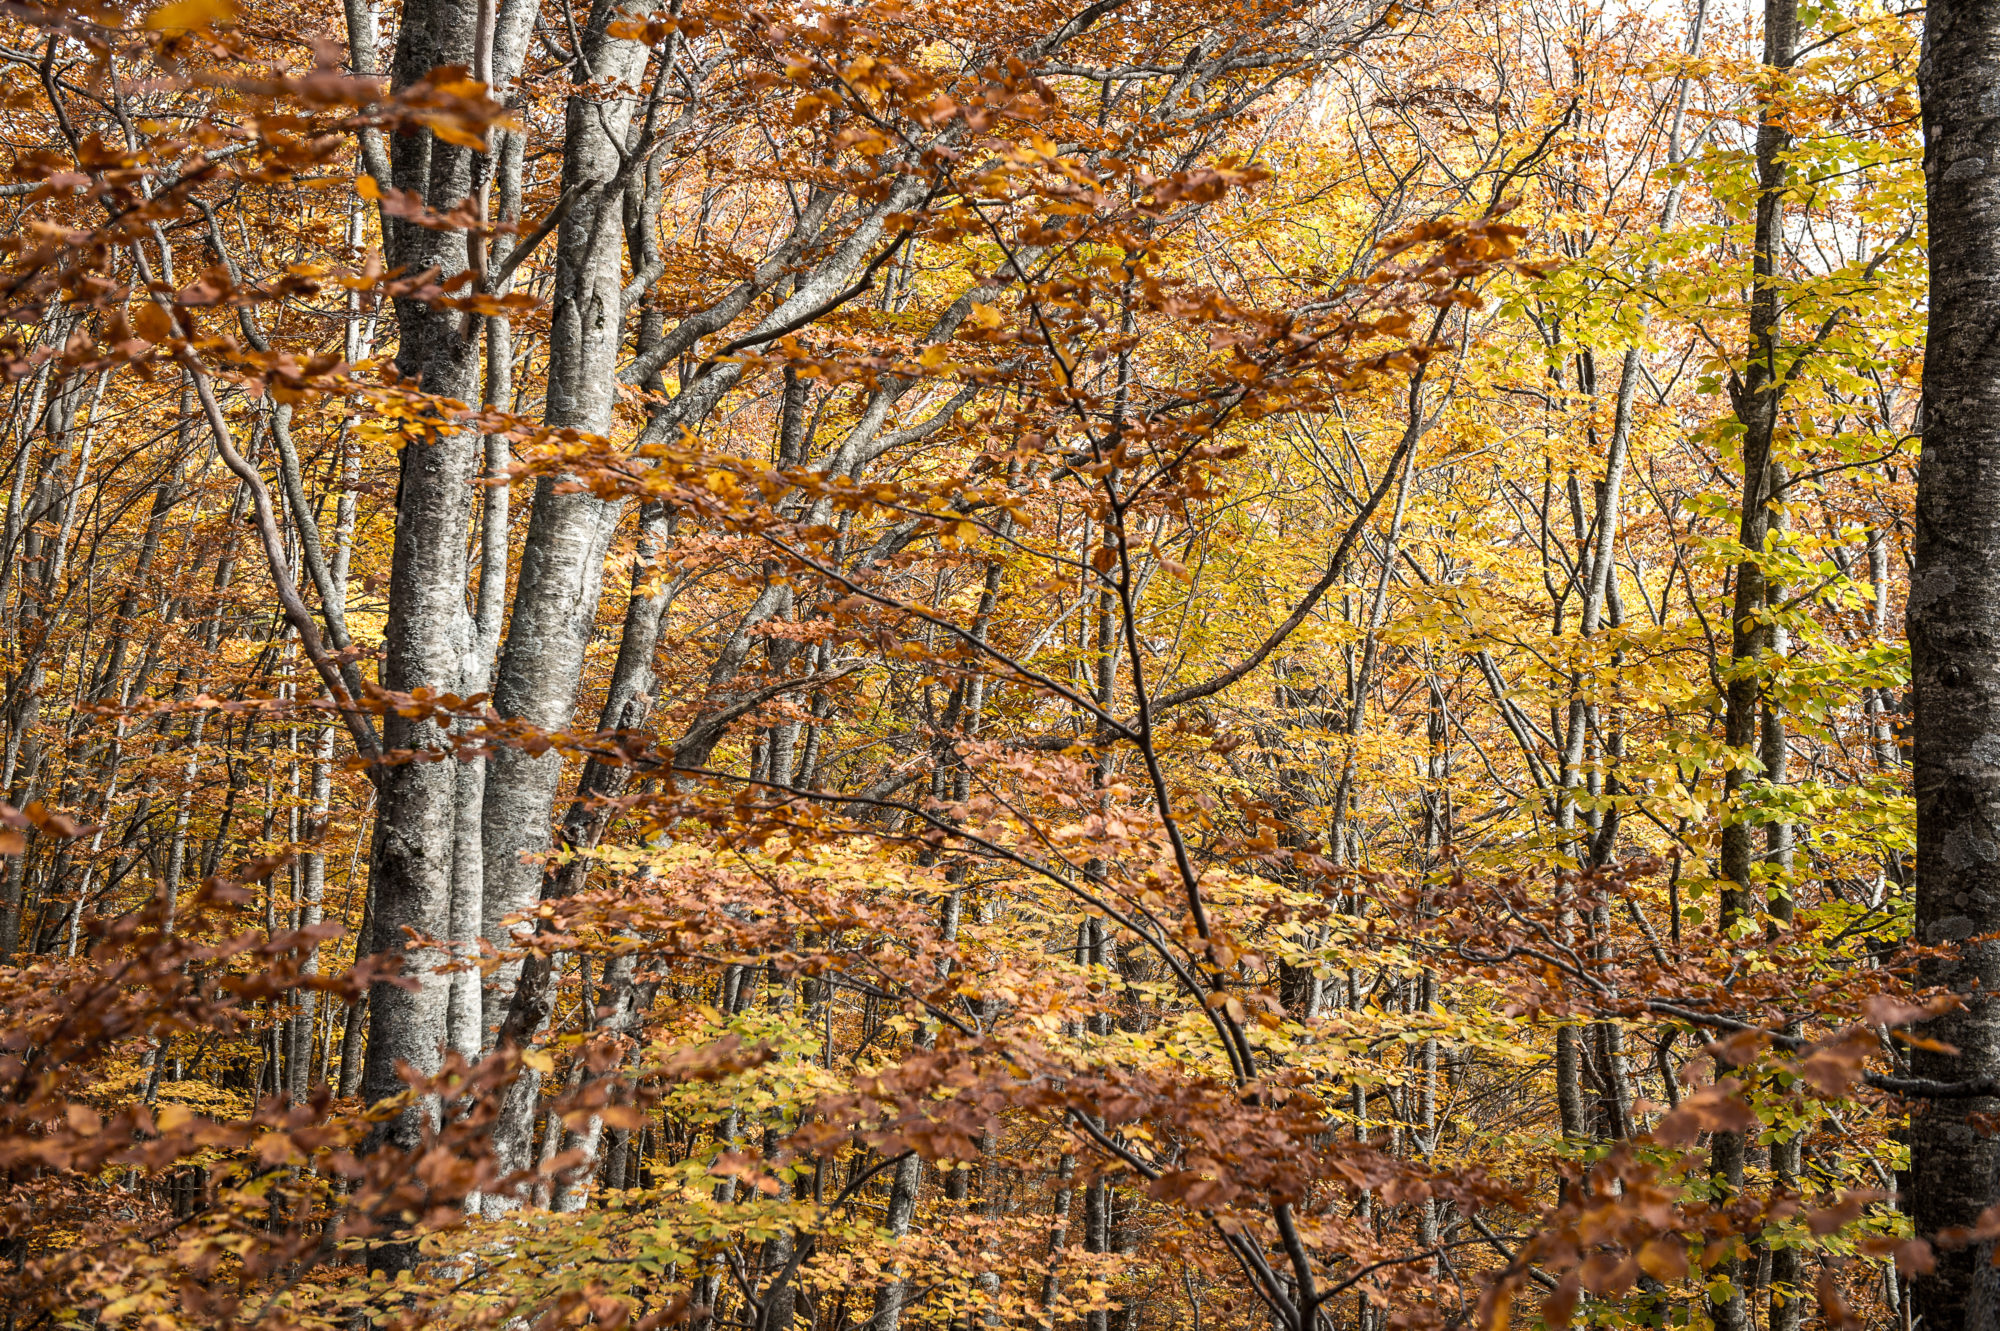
x: 889, y: 1299
x: 1097, y: 1204
x: 1788, y: 1297
x: 419, y: 849
x: 1058, y: 1232
x: 1954, y: 627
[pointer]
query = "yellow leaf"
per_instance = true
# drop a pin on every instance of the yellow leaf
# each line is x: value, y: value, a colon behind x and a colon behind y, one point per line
x: 623, y: 1116
x: 540, y: 1060
x: 366, y: 187
x: 453, y: 133
x: 190, y: 15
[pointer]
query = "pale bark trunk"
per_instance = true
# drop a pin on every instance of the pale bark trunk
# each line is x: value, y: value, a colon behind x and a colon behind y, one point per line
x: 426, y: 632
x: 562, y: 561
x: 312, y: 878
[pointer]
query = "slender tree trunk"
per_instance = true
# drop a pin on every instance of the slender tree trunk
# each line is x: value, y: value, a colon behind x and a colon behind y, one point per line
x: 1058, y: 1234
x: 1757, y: 400
x: 312, y: 877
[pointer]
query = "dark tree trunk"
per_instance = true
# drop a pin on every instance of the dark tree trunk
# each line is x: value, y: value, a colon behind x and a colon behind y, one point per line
x: 1758, y: 397
x: 1954, y: 626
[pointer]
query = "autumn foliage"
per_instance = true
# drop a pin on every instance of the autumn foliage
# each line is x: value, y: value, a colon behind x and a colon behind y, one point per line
x: 1196, y: 663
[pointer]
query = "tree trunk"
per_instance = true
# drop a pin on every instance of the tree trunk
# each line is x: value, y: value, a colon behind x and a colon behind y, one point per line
x: 1954, y: 628
x: 426, y: 633
x: 1757, y: 398
x: 562, y: 561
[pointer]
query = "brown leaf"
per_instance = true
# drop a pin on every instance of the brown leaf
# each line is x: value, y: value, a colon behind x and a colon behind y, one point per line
x: 1560, y: 1307
x: 622, y: 1116
x: 1831, y: 1305
x: 152, y: 322
x: 1717, y: 1108
x: 1914, y: 1257
x: 1890, y: 1010
x: 1664, y: 1259
x: 1832, y: 1068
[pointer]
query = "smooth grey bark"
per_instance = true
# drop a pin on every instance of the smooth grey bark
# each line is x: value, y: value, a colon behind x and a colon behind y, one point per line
x: 902, y: 1209
x: 465, y: 1016
x: 627, y: 704
x: 312, y: 896
x: 562, y: 559
x: 555, y: 604
x: 411, y: 868
x: 520, y: 1013
x: 1954, y: 628
x: 364, y: 56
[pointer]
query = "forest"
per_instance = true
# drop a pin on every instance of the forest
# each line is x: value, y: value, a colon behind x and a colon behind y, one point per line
x: 944, y: 665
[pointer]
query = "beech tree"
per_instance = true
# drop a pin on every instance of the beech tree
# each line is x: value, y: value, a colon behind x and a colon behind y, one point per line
x: 1955, y: 561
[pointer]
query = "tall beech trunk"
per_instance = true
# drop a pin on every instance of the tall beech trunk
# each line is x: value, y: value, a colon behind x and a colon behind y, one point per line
x: 427, y: 629
x: 562, y: 561
x: 1954, y: 627
x: 469, y: 1023
x: 430, y: 632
